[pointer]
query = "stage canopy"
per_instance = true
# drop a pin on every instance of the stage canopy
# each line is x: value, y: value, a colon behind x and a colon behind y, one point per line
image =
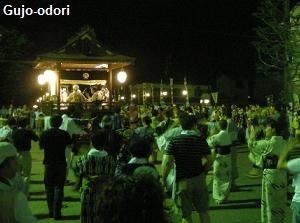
x: 83, y: 52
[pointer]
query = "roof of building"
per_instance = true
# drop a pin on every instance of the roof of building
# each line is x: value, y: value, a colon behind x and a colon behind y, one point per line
x: 83, y: 52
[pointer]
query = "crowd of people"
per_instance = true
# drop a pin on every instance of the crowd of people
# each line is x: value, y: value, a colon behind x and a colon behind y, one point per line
x: 117, y: 176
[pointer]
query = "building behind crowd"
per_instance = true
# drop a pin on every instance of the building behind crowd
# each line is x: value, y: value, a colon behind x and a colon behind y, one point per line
x: 155, y: 93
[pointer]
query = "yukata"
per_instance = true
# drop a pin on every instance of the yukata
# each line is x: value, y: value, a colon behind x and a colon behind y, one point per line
x: 274, y: 196
x: 221, y: 142
x: 274, y: 181
x: 95, y: 167
x: 293, y: 167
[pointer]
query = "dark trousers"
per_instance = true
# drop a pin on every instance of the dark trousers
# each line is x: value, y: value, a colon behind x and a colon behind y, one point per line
x: 54, y: 179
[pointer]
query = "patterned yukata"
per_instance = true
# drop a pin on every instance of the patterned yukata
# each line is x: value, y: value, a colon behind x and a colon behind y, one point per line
x: 274, y: 182
x: 274, y: 196
x: 95, y: 167
x: 222, y: 177
x: 221, y: 167
x: 293, y: 167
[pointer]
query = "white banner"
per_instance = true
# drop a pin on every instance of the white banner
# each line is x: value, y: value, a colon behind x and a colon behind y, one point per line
x: 215, y: 96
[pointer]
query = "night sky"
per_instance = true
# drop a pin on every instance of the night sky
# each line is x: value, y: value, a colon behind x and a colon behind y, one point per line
x: 169, y: 39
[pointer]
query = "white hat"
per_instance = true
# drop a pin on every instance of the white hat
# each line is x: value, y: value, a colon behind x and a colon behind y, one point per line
x: 6, y: 150
x: 75, y: 87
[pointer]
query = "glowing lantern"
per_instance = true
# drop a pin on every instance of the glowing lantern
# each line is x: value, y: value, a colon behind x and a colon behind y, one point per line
x: 122, y: 76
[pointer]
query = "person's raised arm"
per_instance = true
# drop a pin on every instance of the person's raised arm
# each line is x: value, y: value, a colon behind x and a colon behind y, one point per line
x: 291, y: 145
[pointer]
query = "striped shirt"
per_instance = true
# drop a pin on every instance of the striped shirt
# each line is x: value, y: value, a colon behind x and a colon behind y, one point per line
x: 188, y: 149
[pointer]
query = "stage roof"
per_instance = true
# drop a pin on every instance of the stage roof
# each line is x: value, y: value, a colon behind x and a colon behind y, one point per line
x: 83, y: 52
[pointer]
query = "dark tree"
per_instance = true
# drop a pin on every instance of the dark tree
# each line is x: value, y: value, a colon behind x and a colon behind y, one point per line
x: 295, y: 50
x: 274, y: 46
x: 16, y: 55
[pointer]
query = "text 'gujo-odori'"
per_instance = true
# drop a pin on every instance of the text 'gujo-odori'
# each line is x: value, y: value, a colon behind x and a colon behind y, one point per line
x: 24, y: 11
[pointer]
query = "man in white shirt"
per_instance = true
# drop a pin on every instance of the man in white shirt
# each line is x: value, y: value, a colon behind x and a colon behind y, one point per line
x: 13, y: 203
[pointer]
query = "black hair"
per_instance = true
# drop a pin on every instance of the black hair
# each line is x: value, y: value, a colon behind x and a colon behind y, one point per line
x: 125, y: 122
x: 117, y: 109
x: 140, y: 147
x: 203, y: 128
x: 274, y: 125
x: 159, y: 130
x: 70, y: 110
x: 223, y: 124
x: 187, y: 121
x: 147, y: 120
x: 169, y: 113
x: 98, y: 139
x: 228, y: 112
x: 203, y: 115
x: 6, y: 162
x: 23, y: 122
x: 189, y: 109
x: 253, y: 121
x: 55, y: 121
x: 11, y: 121
x: 154, y: 112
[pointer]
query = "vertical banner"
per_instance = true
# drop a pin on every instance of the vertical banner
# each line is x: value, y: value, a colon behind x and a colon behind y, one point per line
x: 138, y: 95
x: 152, y: 93
x: 130, y: 89
x: 171, y: 91
x: 215, y: 97
x: 144, y: 93
x: 58, y: 86
x: 187, y: 92
x: 161, y: 91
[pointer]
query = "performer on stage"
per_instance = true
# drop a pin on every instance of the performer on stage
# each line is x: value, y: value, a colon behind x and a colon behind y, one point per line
x: 95, y: 94
x: 76, y: 95
x: 105, y: 93
x: 63, y: 95
x: 99, y: 94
